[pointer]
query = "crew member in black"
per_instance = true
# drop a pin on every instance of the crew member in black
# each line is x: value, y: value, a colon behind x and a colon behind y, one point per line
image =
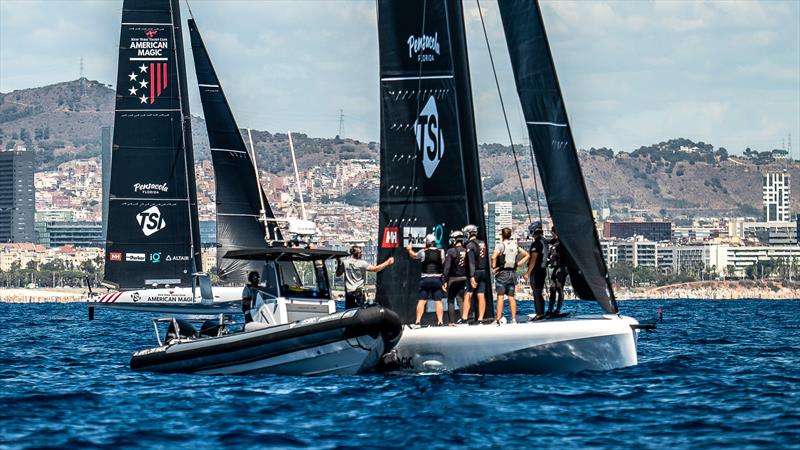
x: 477, y: 271
x: 430, y: 282
x: 557, y: 260
x: 537, y: 268
x: 249, y: 295
x: 454, y: 278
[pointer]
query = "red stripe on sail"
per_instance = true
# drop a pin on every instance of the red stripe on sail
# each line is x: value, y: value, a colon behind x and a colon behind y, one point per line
x: 152, y: 87
x: 165, y: 75
x: 158, y: 79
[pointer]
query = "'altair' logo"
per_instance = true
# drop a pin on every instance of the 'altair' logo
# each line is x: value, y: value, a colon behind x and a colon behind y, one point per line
x: 417, y: 45
x: 429, y: 137
x: 150, y: 221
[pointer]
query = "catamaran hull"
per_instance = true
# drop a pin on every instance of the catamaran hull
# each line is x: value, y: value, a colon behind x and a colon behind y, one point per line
x: 564, y: 345
x: 227, y: 300
x: 348, y: 342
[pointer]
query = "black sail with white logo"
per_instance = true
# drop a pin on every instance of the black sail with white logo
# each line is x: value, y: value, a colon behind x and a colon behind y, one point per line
x: 554, y: 147
x: 237, y: 191
x: 426, y: 113
x: 153, y: 232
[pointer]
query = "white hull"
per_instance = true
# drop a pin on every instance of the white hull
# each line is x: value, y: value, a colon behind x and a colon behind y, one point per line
x: 561, y: 345
x: 177, y: 300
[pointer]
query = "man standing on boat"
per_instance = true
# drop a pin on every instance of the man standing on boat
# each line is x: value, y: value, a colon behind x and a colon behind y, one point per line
x: 557, y: 260
x: 430, y: 282
x: 537, y: 268
x: 355, y: 271
x: 454, y: 278
x: 477, y: 271
x: 505, y: 259
x: 250, y: 295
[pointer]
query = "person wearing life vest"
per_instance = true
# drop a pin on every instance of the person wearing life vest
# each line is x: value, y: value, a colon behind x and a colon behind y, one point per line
x: 477, y: 272
x: 506, y: 257
x: 454, y: 278
x: 354, y: 269
x: 250, y: 295
x: 537, y: 268
x: 557, y: 261
x: 430, y: 282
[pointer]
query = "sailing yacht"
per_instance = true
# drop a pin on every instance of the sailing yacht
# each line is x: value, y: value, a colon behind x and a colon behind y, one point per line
x: 430, y: 183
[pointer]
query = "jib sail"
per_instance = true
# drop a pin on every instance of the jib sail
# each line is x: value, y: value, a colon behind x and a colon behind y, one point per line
x: 430, y: 180
x: 153, y: 234
x: 554, y: 147
x: 237, y: 190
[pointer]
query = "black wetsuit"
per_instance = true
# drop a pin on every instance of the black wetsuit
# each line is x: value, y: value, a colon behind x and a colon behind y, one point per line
x: 538, y: 274
x: 477, y: 264
x: 455, y: 277
x: 430, y: 282
x: 557, y: 260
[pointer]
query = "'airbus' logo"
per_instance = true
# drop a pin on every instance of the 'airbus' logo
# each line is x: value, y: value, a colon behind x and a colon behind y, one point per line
x: 150, y: 220
x: 429, y: 137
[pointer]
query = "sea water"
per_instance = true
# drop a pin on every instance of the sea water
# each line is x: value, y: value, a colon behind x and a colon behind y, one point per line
x: 714, y: 374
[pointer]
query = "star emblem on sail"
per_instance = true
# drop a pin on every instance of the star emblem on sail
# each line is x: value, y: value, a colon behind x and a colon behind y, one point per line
x: 152, y: 83
x: 429, y: 137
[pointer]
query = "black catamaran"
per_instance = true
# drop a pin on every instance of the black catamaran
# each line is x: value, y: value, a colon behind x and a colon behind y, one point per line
x: 430, y: 175
x: 243, y: 211
x: 430, y: 181
x: 153, y: 241
x: 153, y: 232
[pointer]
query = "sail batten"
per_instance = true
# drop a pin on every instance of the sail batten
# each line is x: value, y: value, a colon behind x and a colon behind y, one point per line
x: 238, y: 194
x: 554, y: 149
x: 153, y: 232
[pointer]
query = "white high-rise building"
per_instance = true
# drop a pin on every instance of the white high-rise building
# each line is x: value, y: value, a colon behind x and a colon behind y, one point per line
x: 776, y: 194
x: 498, y: 216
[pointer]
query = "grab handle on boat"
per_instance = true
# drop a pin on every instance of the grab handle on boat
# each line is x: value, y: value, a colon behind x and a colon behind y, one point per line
x: 644, y: 326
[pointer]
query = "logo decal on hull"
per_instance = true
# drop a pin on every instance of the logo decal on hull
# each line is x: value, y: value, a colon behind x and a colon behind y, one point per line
x: 391, y: 237
x: 429, y: 137
x: 414, y: 236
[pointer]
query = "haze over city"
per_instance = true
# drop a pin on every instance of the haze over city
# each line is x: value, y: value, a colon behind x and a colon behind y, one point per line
x: 633, y: 73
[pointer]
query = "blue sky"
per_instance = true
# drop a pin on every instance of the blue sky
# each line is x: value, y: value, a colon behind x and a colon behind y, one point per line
x: 633, y: 72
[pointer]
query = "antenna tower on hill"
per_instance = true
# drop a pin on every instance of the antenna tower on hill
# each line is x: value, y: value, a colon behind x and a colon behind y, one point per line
x: 341, y: 123
x: 83, y: 80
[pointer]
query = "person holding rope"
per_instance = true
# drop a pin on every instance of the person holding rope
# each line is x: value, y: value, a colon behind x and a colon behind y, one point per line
x: 355, y: 271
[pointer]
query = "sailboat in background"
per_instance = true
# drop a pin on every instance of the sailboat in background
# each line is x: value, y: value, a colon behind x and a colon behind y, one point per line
x: 430, y: 183
x: 153, y: 246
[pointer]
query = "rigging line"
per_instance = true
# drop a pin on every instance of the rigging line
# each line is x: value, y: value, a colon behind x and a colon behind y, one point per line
x: 535, y: 182
x: 505, y: 116
x: 189, y: 8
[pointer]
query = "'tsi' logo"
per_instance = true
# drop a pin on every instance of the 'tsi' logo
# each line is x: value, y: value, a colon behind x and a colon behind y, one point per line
x: 391, y: 237
x: 429, y: 137
x: 150, y: 220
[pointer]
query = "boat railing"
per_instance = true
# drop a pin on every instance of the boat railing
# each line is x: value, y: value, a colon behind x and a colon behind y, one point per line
x: 176, y: 326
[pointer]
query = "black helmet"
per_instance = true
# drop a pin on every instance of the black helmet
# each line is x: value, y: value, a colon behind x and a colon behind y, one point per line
x: 253, y: 277
x: 456, y: 236
x: 535, y: 227
x: 470, y: 230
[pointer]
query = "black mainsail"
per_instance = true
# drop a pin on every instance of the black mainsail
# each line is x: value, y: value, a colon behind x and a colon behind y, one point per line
x: 430, y: 177
x: 554, y: 147
x: 239, y: 198
x: 153, y: 234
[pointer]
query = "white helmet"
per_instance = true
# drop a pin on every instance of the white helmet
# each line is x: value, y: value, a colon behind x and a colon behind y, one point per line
x: 430, y: 240
x: 470, y: 230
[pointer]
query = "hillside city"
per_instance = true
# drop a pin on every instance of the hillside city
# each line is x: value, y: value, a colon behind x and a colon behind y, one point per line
x: 688, y: 211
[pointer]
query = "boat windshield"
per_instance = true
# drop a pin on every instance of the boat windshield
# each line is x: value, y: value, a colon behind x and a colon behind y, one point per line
x: 304, y: 279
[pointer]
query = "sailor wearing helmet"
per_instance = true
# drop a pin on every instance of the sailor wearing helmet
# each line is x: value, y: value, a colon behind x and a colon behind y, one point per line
x: 537, y: 268
x: 430, y: 282
x: 477, y: 272
x: 454, y: 278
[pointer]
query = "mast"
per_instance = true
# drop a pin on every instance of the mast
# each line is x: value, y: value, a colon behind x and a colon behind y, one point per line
x: 153, y: 233
x: 555, y: 151
x: 425, y: 137
x: 243, y: 211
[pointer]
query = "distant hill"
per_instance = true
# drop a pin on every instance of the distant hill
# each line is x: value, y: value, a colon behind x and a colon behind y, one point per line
x: 62, y: 121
